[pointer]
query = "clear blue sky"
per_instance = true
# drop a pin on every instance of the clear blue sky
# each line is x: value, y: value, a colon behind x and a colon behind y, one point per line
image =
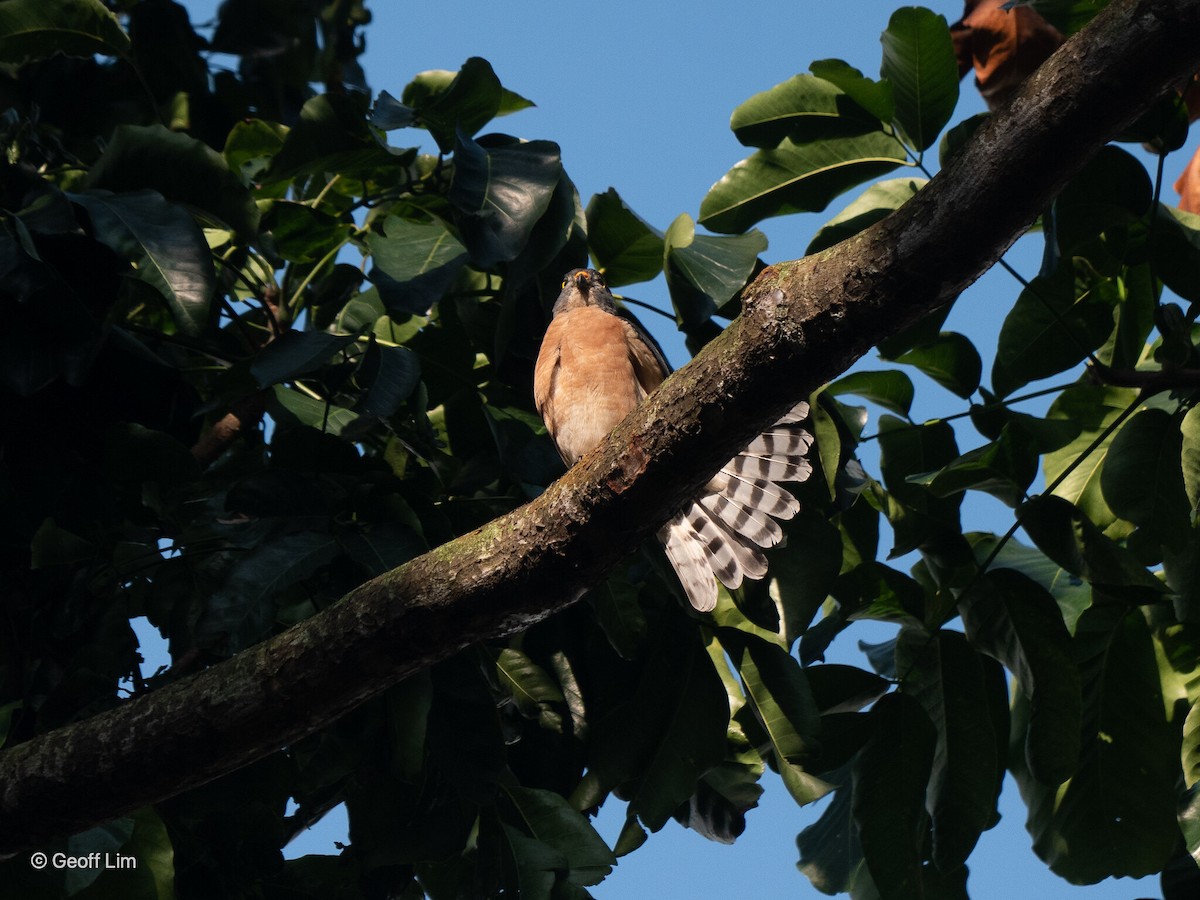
x: 638, y: 95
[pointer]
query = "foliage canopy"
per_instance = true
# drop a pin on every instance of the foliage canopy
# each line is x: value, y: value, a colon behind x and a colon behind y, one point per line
x: 190, y: 252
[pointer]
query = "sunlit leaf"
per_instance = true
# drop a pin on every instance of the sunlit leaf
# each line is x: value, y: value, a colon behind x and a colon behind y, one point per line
x: 874, y: 204
x: 626, y: 248
x: 802, y: 108
x: 950, y: 359
x: 796, y: 177
x: 873, y: 96
x: 704, y: 271
x: 414, y: 263
x: 890, y: 389
x: 1142, y: 478
x: 919, y: 62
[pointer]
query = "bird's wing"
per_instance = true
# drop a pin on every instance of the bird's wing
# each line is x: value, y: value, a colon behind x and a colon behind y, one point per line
x: 649, y: 365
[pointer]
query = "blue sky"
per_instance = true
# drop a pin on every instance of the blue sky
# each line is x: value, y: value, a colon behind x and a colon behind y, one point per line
x: 638, y: 95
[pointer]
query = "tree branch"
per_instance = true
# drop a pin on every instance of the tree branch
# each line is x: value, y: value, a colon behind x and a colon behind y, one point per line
x: 803, y: 322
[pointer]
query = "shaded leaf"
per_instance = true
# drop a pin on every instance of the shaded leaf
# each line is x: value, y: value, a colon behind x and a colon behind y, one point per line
x: 166, y: 246
x: 296, y: 353
x: 796, y: 177
x: 413, y: 263
x: 1142, y: 478
x: 626, y: 248
x: 873, y: 96
x: 501, y: 189
x: 950, y: 359
x: 890, y: 389
x: 874, y: 204
x: 34, y: 29
x: 1015, y: 621
x: 446, y: 103
x: 550, y: 819
x: 804, y: 107
x: 181, y: 168
x: 891, y: 774
x: 532, y: 690
x: 704, y: 271
x: 1005, y: 468
x: 331, y: 136
x: 919, y: 62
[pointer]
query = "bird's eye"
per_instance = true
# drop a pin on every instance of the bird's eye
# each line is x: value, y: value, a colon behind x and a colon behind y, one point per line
x: 566, y: 281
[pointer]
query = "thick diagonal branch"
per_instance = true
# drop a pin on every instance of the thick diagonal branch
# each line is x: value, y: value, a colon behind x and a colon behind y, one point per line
x: 803, y: 323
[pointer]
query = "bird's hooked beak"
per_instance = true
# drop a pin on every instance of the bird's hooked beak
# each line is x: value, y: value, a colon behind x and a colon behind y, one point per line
x: 582, y: 282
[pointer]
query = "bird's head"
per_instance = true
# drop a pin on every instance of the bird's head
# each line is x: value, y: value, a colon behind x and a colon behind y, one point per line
x: 584, y: 287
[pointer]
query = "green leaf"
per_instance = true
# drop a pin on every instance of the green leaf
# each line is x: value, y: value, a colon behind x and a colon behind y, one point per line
x: 296, y: 353
x: 1012, y: 619
x: 874, y: 204
x: 163, y: 241
x: 951, y: 360
x: 803, y: 571
x: 619, y: 615
x: 1069, y: 538
x: 303, y: 233
x: 946, y: 676
x: 891, y: 774
x: 1175, y: 251
x: 390, y: 375
x: 777, y: 693
x: 802, y: 108
x: 1189, y: 821
x: 388, y: 113
x: 1113, y: 189
x: 549, y: 818
x: 532, y: 690
x: 625, y: 247
x: 796, y: 177
x: 242, y: 611
x: 414, y: 263
x: 831, y: 855
x: 1091, y: 408
x: 251, y: 145
x: 1117, y: 814
x: 1052, y: 327
x: 54, y: 546
x: 35, y: 29
x: 290, y: 407
x: 1004, y: 468
x: 907, y: 450
x: 330, y: 137
x: 446, y: 102
x: 890, y: 389
x: 1071, y: 594
x: 704, y: 271
x: 501, y: 189
x: 1143, y: 480
x: 919, y: 62
x: 1068, y: 16
x: 873, y: 96
x: 181, y: 168
x: 1190, y: 457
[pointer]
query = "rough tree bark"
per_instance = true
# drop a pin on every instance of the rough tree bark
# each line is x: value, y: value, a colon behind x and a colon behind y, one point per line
x: 803, y: 322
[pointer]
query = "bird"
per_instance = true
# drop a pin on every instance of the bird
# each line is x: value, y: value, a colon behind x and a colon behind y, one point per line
x: 594, y: 367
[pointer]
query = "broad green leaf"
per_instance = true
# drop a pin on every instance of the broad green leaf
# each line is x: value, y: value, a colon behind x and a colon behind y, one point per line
x: 950, y: 359
x: 891, y: 774
x: 181, y: 168
x: 102, y: 840
x: 388, y: 113
x: 920, y: 332
x: 532, y: 690
x: 874, y: 204
x: 164, y: 243
x: 390, y: 375
x: 383, y: 546
x: 36, y: 29
x: 796, y: 177
x: 1069, y: 538
x: 549, y: 819
x: 704, y: 271
x: 1117, y: 814
x: 831, y: 856
x: 802, y: 108
x: 803, y: 571
x: 1052, y: 327
x: 669, y: 732
x: 1113, y: 189
x: 619, y: 614
x: 446, y: 103
x: 625, y: 247
x: 1068, y: 16
x: 1189, y: 821
x: 1012, y: 619
x: 501, y: 189
x: 1175, y: 251
x: 1142, y: 478
x: 919, y: 62
x: 414, y: 263
x: 778, y: 694
x: 242, y: 611
x: 250, y: 147
x: 838, y: 688
x: 919, y: 518
x: 1004, y: 468
x: 1046, y: 435
x: 134, y: 453
x: 291, y: 407
x: 538, y: 865
x: 946, y: 676
x: 828, y: 438
x: 303, y: 233
x: 1072, y: 594
x: 330, y: 137
x: 1091, y: 408
x: 296, y: 353
x: 1190, y: 457
x: 890, y: 389
x: 873, y: 96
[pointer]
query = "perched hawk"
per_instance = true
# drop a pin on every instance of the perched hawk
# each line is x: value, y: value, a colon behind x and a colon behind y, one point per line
x: 594, y: 368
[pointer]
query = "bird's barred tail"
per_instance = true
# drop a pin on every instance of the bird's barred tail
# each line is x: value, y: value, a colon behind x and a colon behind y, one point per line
x: 721, y: 532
